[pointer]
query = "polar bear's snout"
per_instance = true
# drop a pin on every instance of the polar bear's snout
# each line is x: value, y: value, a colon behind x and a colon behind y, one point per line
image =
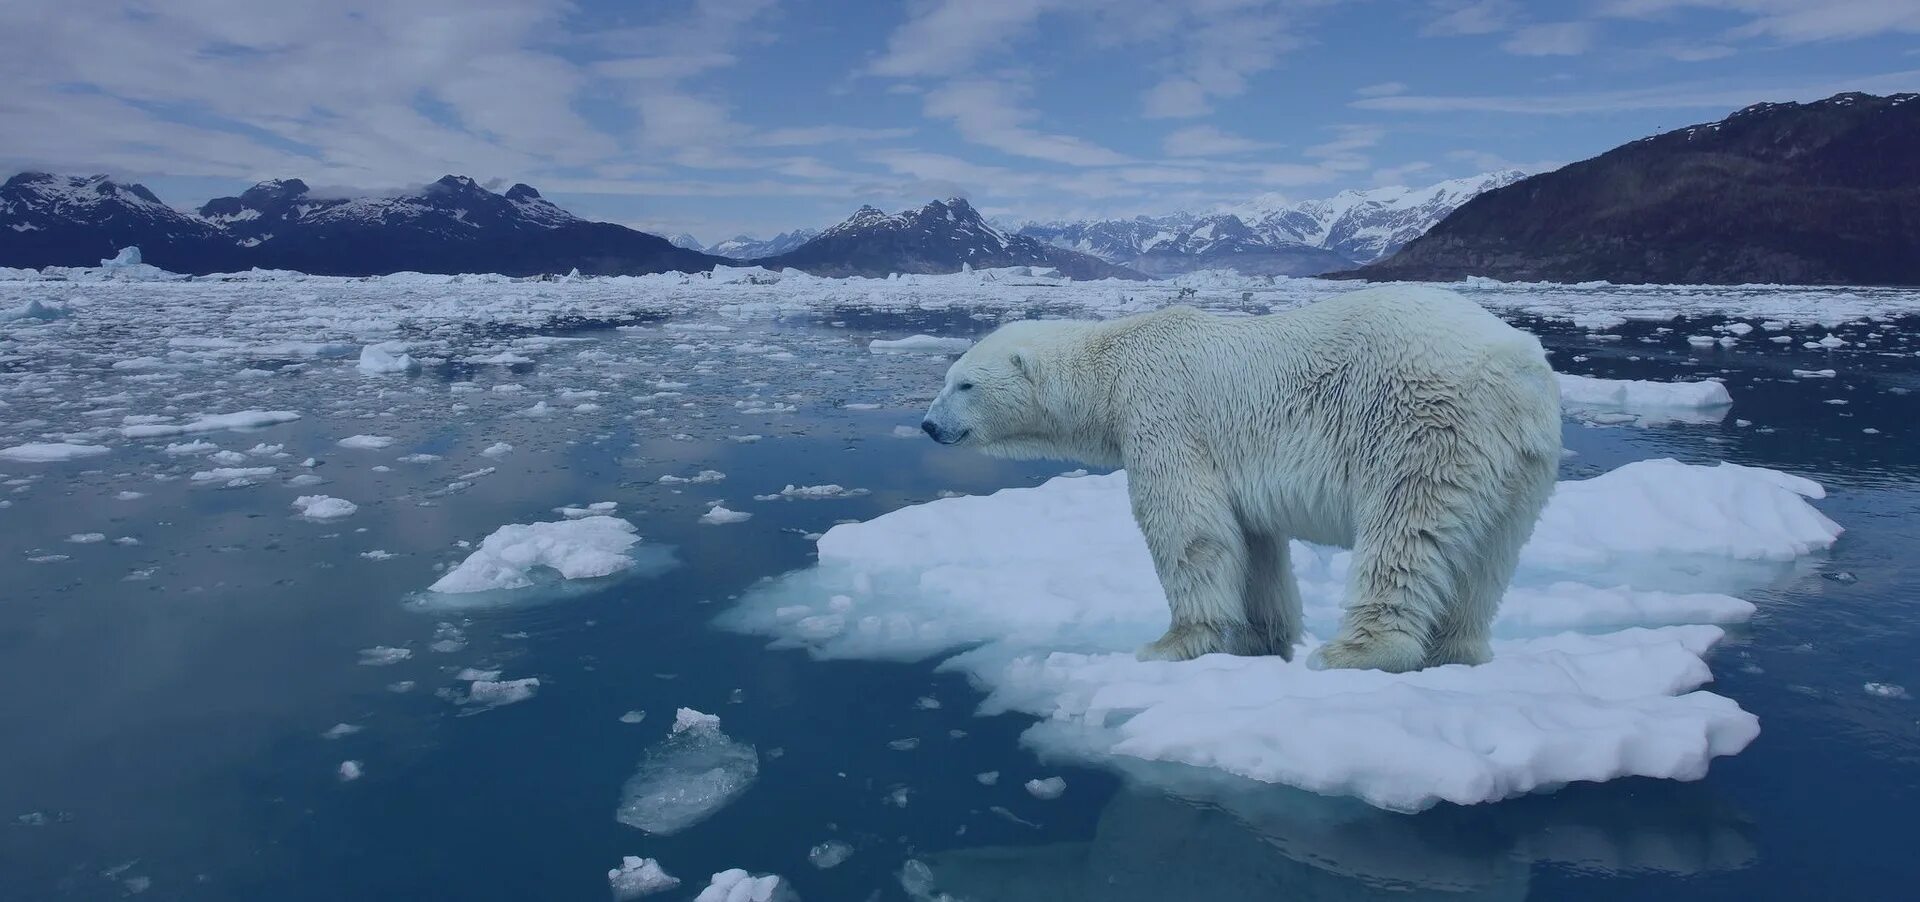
x: 942, y: 434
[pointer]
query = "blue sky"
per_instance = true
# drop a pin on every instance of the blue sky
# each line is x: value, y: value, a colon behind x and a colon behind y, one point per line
x: 719, y: 117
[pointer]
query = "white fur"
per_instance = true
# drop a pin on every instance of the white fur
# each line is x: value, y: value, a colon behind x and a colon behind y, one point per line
x: 1403, y: 422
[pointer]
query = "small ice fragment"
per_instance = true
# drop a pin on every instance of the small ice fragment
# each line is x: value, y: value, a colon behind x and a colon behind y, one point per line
x: 46, y: 452
x: 576, y: 549
x: 683, y: 780
x: 366, y: 442
x: 719, y: 514
x: 737, y: 885
x: 829, y: 854
x: 386, y: 357
x: 323, y: 507
x: 988, y: 778
x: 907, y: 432
x: 87, y: 538
x: 1049, y: 788
x: 633, y: 717
x: 927, y: 343
x: 702, y: 476
x: 494, y: 693
x: 129, y: 496
x: 350, y: 770
x: 340, y: 730
x: 636, y: 877
x: 377, y: 555
x: 904, y: 745
x: 382, y: 655
x: 1886, y: 690
x: 497, y: 449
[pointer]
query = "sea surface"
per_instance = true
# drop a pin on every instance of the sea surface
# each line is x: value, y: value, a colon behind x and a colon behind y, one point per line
x: 174, y: 692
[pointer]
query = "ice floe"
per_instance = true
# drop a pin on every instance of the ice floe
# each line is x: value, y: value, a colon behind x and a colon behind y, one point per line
x: 574, y: 549
x: 1643, y: 403
x: 1599, y: 646
x: 696, y: 771
x: 46, y: 452
x: 243, y: 419
x: 736, y: 885
x: 636, y: 877
x: 324, y: 507
x: 920, y: 343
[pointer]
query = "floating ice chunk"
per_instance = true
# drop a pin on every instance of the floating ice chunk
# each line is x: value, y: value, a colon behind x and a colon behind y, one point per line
x: 1047, y: 789
x: 197, y: 446
x: 387, y: 357
x: 87, y: 538
x: 382, y: 655
x: 682, y: 781
x: 504, y: 358
x: 46, y: 452
x: 1815, y: 374
x: 366, y: 442
x: 244, y: 419
x: 576, y: 549
x: 233, y: 476
x: 1649, y: 403
x: 497, y: 449
x: 598, y: 508
x: 737, y: 885
x: 227, y: 457
x: 341, y: 730
x: 920, y: 343
x: 350, y: 770
x: 1886, y: 690
x: 324, y: 507
x: 636, y: 877
x: 907, y: 432
x: 129, y: 496
x: 987, y: 778
x: 719, y: 515
x: 829, y: 854
x: 812, y: 493
x: 493, y: 693
x: 1020, y: 575
x: 700, y: 477
x: 418, y: 458
x: 633, y: 717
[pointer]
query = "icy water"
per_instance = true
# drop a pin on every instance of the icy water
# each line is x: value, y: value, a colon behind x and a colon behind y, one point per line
x: 184, y: 689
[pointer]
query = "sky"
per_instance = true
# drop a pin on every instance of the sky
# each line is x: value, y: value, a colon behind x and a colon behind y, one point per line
x: 720, y: 117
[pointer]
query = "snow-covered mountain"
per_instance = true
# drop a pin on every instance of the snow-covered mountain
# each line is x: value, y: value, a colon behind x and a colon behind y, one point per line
x: 941, y: 237
x: 452, y: 225
x: 1364, y: 226
x: 747, y: 247
x: 63, y: 220
x: 1272, y: 236
x: 686, y: 241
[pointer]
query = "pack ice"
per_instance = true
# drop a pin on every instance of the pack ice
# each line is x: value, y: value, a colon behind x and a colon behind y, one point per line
x: 1596, y: 674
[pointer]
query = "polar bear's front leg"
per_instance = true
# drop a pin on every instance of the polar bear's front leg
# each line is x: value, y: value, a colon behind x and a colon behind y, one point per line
x: 1272, y: 596
x: 1201, y: 557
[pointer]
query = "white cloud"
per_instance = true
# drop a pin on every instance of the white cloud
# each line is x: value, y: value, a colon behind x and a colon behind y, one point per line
x: 1682, y: 96
x: 1551, y: 39
x: 948, y: 36
x: 1397, y: 175
x: 1464, y: 17
x: 1206, y: 141
x: 1382, y: 89
x: 1793, y: 21
x: 991, y: 114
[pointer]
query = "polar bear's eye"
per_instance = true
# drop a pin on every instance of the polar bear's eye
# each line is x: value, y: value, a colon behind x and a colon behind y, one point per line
x: 966, y: 386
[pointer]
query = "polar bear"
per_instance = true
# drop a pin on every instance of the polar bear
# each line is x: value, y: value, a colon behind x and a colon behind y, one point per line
x: 1403, y: 422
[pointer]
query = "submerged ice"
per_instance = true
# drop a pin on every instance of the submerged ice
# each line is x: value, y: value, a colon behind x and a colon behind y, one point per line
x: 685, y: 779
x: 1598, y: 659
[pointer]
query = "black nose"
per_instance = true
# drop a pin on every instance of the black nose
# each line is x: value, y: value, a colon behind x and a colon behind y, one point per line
x: 931, y: 430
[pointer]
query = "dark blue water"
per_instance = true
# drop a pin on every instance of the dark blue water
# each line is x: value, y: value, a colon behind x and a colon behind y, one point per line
x: 162, y: 735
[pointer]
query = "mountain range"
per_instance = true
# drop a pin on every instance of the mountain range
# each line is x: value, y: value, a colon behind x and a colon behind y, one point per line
x: 1270, y: 235
x: 1826, y: 192
x: 450, y: 226
x: 943, y: 236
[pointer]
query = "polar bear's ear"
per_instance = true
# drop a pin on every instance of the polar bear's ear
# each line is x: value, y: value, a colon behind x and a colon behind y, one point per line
x: 1027, y: 362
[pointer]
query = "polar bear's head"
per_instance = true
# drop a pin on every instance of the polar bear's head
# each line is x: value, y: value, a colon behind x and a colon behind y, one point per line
x: 1002, y: 395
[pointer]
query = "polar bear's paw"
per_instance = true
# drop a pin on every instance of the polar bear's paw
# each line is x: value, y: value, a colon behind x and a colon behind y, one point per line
x: 1186, y: 641
x: 1392, y: 652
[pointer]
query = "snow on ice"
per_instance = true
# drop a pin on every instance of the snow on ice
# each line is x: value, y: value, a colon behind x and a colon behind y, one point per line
x: 1598, y: 659
x: 736, y: 885
x: 636, y: 877
x: 45, y: 452
x: 579, y: 548
x: 324, y: 507
x: 245, y: 419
